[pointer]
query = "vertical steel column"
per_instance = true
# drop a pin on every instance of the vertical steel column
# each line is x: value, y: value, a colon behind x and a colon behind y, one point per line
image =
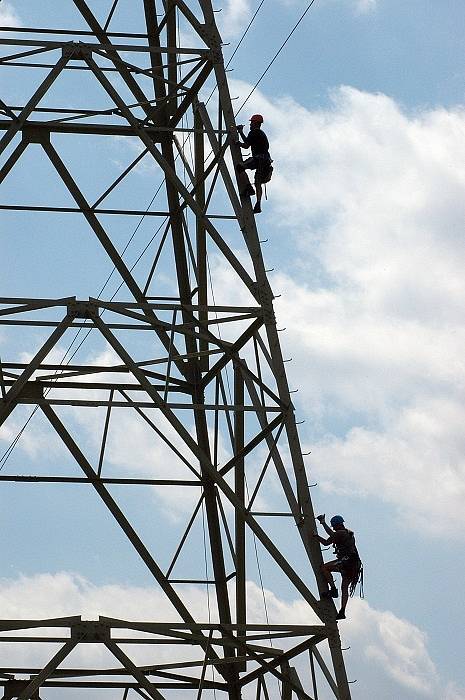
x: 239, y: 487
x: 202, y: 279
x: 172, y: 40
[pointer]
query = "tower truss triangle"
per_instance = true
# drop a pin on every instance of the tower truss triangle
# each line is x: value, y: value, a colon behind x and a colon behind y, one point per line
x: 118, y: 153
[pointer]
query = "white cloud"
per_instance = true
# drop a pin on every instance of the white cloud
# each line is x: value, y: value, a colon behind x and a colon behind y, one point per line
x: 373, y: 199
x: 395, y: 646
x: 8, y: 15
x: 453, y: 692
x: 236, y: 14
x: 234, y: 17
x: 364, y: 6
x: 415, y: 463
x: 391, y: 652
x: 35, y: 440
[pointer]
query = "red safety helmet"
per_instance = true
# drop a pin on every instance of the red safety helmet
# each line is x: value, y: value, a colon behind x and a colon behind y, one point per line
x: 256, y: 118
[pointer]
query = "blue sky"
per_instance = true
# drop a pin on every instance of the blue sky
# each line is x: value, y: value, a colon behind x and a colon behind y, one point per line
x: 364, y: 110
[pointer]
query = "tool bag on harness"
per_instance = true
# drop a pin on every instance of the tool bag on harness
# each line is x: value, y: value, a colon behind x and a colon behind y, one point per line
x: 349, y: 559
x: 264, y: 168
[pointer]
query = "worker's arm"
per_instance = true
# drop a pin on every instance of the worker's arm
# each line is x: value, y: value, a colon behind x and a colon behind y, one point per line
x: 322, y: 540
x: 244, y: 142
x: 322, y: 521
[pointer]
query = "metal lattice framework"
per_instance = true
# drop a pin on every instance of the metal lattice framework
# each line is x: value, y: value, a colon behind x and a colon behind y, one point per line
x: 195, y: 348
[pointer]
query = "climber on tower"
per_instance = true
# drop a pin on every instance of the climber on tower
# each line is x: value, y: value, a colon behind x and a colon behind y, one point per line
x: 260, y: 160
x: 347, y: 561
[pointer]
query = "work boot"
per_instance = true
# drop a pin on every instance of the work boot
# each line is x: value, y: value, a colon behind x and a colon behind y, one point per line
x: 341, y: 615
x: 248, y: 191
x: 257, y: 209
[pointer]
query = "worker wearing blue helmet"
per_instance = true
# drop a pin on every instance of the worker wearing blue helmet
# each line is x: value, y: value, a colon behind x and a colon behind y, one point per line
x: 347, y: 561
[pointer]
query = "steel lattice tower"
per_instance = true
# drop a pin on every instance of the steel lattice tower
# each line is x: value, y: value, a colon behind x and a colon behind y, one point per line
x: 198, y: 362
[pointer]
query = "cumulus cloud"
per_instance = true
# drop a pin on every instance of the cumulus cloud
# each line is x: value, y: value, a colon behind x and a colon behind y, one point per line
x: 364, y: 6
x: 8, y: 15
x: 396, y: 647
x: 372, y: 197
x: 236, y: 13
x: 393, y: 653
x: 234, y: 17
x: 415, y: 463
x: 453, y: 692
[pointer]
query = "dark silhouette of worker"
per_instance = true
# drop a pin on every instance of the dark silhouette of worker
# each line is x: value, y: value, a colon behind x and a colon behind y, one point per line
x: 260, y: 160
x: 347, y: 561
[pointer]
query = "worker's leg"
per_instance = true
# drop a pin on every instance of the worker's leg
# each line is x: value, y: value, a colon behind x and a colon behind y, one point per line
x: 245, y: 187
x: 327, y: 570
x: 248, y: 164
x: 344, y: 597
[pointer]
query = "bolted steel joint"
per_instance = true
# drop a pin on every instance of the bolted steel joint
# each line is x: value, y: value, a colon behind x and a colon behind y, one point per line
x: 83, y: 309
x: 216, y: 55
x: 89, y: 631
x: 32, y: 392
x: 334, y: 639
x: 266, y: 302
x: 35, y: 134
x: 14, y: 688
x: 76, y: 50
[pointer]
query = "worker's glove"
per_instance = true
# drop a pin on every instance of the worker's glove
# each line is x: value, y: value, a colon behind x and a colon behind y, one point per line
x: 321, y: 518
x: 240, y: 127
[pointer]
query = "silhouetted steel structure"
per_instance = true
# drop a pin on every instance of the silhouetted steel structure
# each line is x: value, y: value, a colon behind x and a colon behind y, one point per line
x: 201, y: 365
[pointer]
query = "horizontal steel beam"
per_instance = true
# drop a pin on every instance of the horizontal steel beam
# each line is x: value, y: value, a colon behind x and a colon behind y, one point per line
x: 160, y: 627
x: 82, y: 480
x: 170, y: 305
x: 78, y: 128
x: 57, y: 383
x: 106, y: 212
x: 144, y: 404
x: 91, y: 46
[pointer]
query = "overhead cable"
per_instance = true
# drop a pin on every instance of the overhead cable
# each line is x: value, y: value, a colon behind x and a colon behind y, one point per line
x: 309, y: 6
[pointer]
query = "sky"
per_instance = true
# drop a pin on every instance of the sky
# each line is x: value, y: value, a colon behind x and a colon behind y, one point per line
x: 364, y: 109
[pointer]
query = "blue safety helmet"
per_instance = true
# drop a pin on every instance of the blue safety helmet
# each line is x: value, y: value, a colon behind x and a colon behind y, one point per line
x: 337, y: 520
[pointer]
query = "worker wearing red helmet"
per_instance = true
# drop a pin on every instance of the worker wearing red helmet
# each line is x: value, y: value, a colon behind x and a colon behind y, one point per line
x: 260, y: 160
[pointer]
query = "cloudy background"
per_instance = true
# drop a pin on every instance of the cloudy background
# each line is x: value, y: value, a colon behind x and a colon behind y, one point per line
x: 365, y: 228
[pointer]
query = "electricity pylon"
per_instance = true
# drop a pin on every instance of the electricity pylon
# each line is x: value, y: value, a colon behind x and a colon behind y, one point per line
x: 194, y: 352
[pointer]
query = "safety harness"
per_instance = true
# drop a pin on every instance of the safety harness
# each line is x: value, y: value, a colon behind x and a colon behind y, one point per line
x: 347, y: 553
